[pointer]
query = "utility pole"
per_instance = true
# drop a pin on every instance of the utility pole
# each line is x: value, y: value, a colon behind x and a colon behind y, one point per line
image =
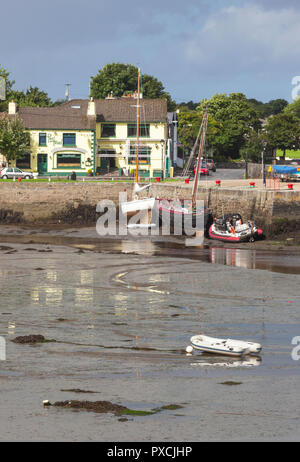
x: 67, y: 94
x: 2, y: 88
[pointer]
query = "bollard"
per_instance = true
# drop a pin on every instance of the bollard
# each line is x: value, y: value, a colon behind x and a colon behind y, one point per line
x: 218, y: 182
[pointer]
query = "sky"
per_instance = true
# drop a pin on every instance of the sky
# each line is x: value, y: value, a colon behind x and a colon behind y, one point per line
x: 196, y: 48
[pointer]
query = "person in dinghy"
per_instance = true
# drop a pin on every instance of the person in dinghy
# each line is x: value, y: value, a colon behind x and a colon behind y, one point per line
x: 231, y: 228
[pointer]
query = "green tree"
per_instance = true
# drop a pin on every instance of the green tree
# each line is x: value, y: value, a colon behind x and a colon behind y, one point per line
x: 189, y: 123
x: 189, y: 106
x: 33, y: 97
x: 237, y: 119
x: 9, y: 84
x: 14, y: 140
x: 118, y: 79
x: 293, y: 108
x: 283, y: 132
x: 58, y: 102
x: 253, y: 146
x: 257, y: 105
x: 273, y: 107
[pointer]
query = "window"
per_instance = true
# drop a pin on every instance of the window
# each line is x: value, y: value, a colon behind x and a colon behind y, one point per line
x: 24, y: 162
x: 108, y: 130
x: 42, y: 139
x: 69, y: 139
x: 144, y: 130
x: 144, y: 155
x: 69, y: 160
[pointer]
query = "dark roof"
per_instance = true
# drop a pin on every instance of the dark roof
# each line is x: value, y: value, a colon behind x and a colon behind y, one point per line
x: 125, y: 110
x: 69, y: 116
x: 72, y: 115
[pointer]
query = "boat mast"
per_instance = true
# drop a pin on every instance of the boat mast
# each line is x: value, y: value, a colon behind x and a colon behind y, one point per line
x: 137, y: 130
x: 204, y: 126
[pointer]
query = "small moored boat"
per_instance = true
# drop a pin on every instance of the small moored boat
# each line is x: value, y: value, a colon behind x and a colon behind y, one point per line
x: 231, y: 228
x: 224, y: 346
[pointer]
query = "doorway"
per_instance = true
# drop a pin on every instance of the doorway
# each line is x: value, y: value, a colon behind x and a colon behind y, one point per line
x: 42, y: 164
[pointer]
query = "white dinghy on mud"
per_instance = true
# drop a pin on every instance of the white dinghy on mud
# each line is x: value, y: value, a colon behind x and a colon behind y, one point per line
x: 228, y: 346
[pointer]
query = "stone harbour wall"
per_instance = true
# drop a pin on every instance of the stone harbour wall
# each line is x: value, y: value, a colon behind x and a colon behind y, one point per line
x: 75, y: 203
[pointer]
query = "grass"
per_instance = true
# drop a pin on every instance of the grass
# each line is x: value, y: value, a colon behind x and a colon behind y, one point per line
x: 38, y: 180
x: 102, y: 180
x: 289, y: 153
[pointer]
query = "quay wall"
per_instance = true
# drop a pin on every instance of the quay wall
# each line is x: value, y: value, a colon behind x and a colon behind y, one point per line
x: 75, y: 202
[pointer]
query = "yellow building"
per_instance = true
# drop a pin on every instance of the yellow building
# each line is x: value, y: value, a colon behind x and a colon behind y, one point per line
x: 96, y: 137
x: 62, y: 138
x: 116, y: 134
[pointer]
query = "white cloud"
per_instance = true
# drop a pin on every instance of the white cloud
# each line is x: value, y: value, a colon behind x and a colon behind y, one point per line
x: 247, y: 38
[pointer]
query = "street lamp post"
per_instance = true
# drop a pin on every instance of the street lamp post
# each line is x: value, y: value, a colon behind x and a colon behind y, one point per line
x: 183, y: 127
x: 162, y: 143
x: 263, y: 163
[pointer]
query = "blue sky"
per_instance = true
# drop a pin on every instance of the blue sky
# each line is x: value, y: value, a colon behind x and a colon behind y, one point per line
x: 195, y: 47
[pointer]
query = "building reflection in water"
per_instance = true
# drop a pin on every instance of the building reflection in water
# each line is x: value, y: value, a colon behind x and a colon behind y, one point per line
x: 120, y: 303
x: 143, y: 247
x: 53, y: 295
x: 83, y: 295
x: 51, y: 275
x: 86, y: 277
x: 233, y: 257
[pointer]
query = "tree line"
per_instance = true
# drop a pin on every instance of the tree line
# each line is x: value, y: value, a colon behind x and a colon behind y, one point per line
x: 238, y: 127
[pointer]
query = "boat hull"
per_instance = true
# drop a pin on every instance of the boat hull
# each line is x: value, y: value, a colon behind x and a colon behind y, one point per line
x: 135, y: 206
x: 183, y: 219
x: 226, y: 347
x: 234, y: 237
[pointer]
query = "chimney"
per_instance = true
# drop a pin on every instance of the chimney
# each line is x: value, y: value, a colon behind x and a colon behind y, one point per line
x: 12, y: 107
x: 91, y: 108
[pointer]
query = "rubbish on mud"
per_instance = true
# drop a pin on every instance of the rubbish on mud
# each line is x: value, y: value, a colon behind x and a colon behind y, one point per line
x: 5, y: 247
x: 230, y: 383
x: 78, y: 390
x: 108, y: 407
x: 32, y: 339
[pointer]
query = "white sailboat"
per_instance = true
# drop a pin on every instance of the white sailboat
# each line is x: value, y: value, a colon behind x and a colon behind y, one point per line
x: 136, y: 205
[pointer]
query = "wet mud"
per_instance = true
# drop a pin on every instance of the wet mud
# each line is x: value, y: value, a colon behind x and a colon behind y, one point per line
x: 122, y: 313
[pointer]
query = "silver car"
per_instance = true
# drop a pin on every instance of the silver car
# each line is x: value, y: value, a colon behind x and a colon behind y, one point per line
x: 14, y: 172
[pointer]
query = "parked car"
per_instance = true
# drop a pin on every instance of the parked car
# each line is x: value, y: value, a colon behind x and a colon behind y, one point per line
x: 11, y: 172
x: 203, y: 169
x: 211, y: 165
x: 295, y: 162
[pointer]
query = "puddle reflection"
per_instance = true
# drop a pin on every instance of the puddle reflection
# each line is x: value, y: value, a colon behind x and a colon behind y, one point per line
x: 233, y: 257
x: 245, y: 362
